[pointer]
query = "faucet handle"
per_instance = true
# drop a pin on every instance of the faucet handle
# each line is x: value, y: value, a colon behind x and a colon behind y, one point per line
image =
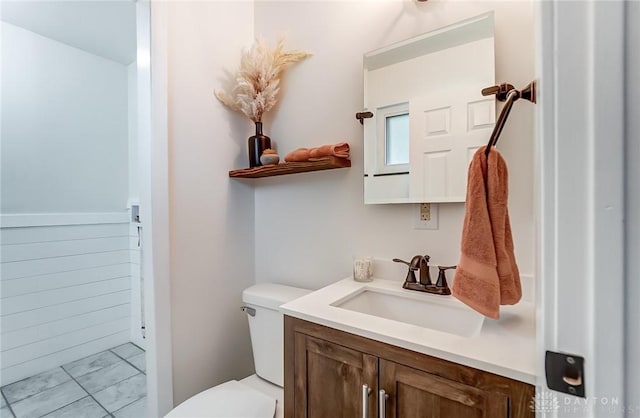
x: 442, y: 278
x: 447, y: 267
x: 411, y: 277
x: 397, y: 260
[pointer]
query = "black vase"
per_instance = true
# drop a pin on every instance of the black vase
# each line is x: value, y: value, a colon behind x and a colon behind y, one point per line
x: 257, y: 144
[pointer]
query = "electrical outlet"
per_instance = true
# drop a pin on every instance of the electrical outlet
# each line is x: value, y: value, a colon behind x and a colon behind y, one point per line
x: 426, y: 216
x: 425, y: 211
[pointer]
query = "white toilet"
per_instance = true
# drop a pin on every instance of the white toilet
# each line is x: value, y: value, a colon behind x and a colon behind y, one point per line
x: 259, y: 395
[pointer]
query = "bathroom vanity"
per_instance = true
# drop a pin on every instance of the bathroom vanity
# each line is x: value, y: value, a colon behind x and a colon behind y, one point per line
x: 357, y: 350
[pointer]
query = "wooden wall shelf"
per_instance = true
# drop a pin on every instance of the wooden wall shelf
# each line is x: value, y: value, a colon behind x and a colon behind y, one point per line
x: 290, y: 168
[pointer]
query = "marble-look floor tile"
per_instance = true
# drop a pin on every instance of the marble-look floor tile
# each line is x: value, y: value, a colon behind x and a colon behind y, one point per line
x: 34, y: 384
x: 123, y: 393
x: 5, y: 412
x: 139, y: 361
x: 101, y: 379
x: 138, y: 409
x: 48, y: 400
x: 3, y: 403
x: 90, y: 364
x: 85, y: 408
x: 127, y: 350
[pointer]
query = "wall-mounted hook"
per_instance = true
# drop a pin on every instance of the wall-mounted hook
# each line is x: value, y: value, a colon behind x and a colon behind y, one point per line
x: 363, y: 115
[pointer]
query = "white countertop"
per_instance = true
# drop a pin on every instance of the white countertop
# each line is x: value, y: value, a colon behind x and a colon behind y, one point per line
x: 505, y: 347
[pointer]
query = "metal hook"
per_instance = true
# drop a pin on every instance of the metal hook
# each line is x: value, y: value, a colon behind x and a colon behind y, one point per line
x: 363, y: 115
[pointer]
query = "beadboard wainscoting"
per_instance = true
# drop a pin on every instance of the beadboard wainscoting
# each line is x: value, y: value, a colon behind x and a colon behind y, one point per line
x: 65, y: 288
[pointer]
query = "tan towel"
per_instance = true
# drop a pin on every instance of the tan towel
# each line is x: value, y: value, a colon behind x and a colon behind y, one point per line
x: 341, y: 149
x: 300, y: 154
x: 487, y: 275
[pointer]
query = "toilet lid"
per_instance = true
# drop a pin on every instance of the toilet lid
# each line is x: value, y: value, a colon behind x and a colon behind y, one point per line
x: 228, y: 400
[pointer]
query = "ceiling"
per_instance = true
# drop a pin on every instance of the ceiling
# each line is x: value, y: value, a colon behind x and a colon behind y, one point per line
x: 104, y: 28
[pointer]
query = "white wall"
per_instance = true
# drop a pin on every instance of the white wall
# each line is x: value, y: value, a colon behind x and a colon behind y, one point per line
x: 132, y: 132
x: 65, y: 289
x: 65, y: 294
x: 308, y: 226
x: 303, y: 228
x: 64, y: 127
x: 211, y: 216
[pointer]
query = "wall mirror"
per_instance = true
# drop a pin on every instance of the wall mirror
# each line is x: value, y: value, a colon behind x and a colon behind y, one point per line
x: 429, y: 115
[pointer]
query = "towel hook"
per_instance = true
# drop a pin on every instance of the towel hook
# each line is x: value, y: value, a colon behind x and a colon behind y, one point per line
x: 363, y: 115
x: 505, y: 92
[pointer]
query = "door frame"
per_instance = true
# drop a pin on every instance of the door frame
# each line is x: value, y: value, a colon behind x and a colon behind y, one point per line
x: 151, y: 26
x: 580, y: 200
x: 632, y: 215
x: 580, y: 262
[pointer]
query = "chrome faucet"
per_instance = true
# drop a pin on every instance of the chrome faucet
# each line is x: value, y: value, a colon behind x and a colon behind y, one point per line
x: 420, y: 263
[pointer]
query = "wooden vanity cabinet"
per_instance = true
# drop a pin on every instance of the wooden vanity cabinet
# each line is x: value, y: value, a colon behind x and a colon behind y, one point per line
x: 325, y: 370
x: 329, y: 379
x: 415, y: 393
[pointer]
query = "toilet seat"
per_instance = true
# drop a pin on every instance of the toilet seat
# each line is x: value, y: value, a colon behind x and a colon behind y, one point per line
x: 231, y: 399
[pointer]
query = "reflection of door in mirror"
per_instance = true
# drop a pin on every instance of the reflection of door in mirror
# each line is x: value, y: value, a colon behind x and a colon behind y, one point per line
x: 429, y: 114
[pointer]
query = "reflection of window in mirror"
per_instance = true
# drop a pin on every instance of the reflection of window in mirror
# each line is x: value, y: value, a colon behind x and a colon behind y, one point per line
x: 392, y: 125
x: 397, y: 139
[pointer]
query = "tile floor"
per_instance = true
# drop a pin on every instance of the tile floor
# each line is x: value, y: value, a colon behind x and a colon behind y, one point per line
x: 108, y: 384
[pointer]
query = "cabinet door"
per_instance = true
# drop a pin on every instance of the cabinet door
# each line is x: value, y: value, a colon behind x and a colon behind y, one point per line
x: 417, y: 394
x: 329, y: 379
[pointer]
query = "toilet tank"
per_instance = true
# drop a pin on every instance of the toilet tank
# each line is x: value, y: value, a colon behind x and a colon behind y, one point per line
x: 267, y: 327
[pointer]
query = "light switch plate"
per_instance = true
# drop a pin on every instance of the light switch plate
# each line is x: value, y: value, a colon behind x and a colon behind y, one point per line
x: 419, y: 215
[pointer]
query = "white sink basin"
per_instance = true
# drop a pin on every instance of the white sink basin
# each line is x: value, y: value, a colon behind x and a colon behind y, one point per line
x: 440, y: 313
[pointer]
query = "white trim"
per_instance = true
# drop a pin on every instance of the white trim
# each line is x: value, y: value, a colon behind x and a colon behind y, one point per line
x: 386, y: 201
x: 154, y: 201
x: 633, y: 205
x: 580, y: 206
x: 24, y: 220
x: 528, y: 284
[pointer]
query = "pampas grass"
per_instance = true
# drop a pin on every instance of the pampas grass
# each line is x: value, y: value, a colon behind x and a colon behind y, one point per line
x: 257, y: 82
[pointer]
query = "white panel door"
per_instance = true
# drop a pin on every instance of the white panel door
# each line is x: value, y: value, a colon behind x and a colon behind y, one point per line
x: 581, y: 254
x: 446, y: 129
